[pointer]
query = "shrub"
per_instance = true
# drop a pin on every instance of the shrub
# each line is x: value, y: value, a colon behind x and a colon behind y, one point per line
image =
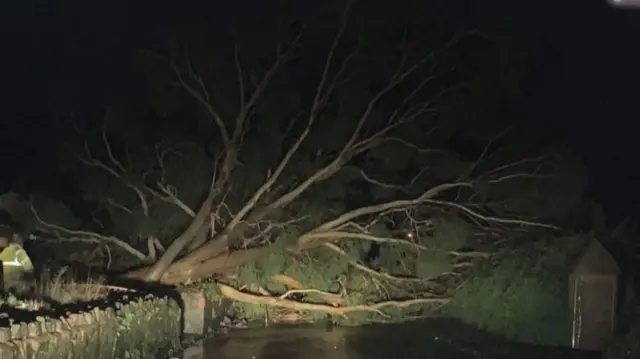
x: 522, y: 297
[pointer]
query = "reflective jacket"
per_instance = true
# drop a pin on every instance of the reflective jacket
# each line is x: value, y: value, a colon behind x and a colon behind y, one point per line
x: 15, y: 258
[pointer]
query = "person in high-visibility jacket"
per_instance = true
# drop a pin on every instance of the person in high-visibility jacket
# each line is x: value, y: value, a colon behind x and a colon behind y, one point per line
x: 16, y: 264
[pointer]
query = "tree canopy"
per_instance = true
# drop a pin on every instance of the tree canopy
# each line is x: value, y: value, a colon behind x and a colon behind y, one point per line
x: 327, y: 134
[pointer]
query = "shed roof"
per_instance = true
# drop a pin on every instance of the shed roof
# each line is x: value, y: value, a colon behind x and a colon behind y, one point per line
x: 596, y: 260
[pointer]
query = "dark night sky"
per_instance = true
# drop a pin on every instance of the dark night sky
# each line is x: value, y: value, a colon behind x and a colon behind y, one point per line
x: 60, y: 54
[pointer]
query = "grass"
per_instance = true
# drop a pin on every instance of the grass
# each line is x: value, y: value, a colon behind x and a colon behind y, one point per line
x: 54, y: 290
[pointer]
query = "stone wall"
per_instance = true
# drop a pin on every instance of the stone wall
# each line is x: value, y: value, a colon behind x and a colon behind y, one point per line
x: 199, y: 312
x: 125, y: 325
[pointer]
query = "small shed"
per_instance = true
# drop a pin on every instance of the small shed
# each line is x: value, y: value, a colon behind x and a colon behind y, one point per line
x: 593, y: 288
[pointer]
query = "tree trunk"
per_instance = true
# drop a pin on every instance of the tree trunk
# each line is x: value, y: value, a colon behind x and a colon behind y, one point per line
x: 156, y: 271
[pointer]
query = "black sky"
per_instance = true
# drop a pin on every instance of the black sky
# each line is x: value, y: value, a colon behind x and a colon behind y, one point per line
x: 62, y: 54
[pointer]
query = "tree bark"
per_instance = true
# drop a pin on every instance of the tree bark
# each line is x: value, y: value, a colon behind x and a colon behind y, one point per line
x: 156, y: 271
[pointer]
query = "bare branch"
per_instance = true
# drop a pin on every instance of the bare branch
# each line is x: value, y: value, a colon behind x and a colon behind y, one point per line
x: 367, y: 210
x: 255, y: 232
x: 237, y: 295
x: 236, y: 57
x: 197, y: 224
x: 170, y: 196
x: 92, y: 237
x: 483, y: 154
x: 165, y: 192
x: 161, y: 155
x: 282, y: 55
x: 107, y: 145
x: 355, y: 145
x: 414, y: 147
x: 331, y: 235
x: 390, y: 185
x: 91, y: 161
x: 477, y: 215
x: 120, y: 206
x: 202, y: 96
x: 200, y: 93
x: 517, y: 163
x: 318, y: 102
x: 519, y: 175
x: 291, y: 292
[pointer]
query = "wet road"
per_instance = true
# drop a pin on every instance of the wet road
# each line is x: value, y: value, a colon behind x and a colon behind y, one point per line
x: 430, y: 339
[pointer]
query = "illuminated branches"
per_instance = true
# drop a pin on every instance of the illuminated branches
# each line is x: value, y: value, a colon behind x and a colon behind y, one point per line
x: 114, y: 167
x: 141, y: 183
x: 254, y: 222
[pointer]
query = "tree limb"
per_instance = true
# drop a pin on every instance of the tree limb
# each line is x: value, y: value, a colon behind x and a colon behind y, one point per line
x: 118, y: 171
x: 320, y: 99
x: 92, y: 237
x: 158, y: 269
x: 477, y: 215
x: 332, y: 235
x: 367, y: 210
x: 234, y: 294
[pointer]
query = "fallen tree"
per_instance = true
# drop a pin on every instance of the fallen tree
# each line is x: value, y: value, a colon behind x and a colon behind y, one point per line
x: 228, y: 247
x: 223, y: 235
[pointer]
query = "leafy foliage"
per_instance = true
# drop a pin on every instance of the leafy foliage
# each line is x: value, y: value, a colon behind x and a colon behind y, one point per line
x: 522, y: 297
x: 325, y: 270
